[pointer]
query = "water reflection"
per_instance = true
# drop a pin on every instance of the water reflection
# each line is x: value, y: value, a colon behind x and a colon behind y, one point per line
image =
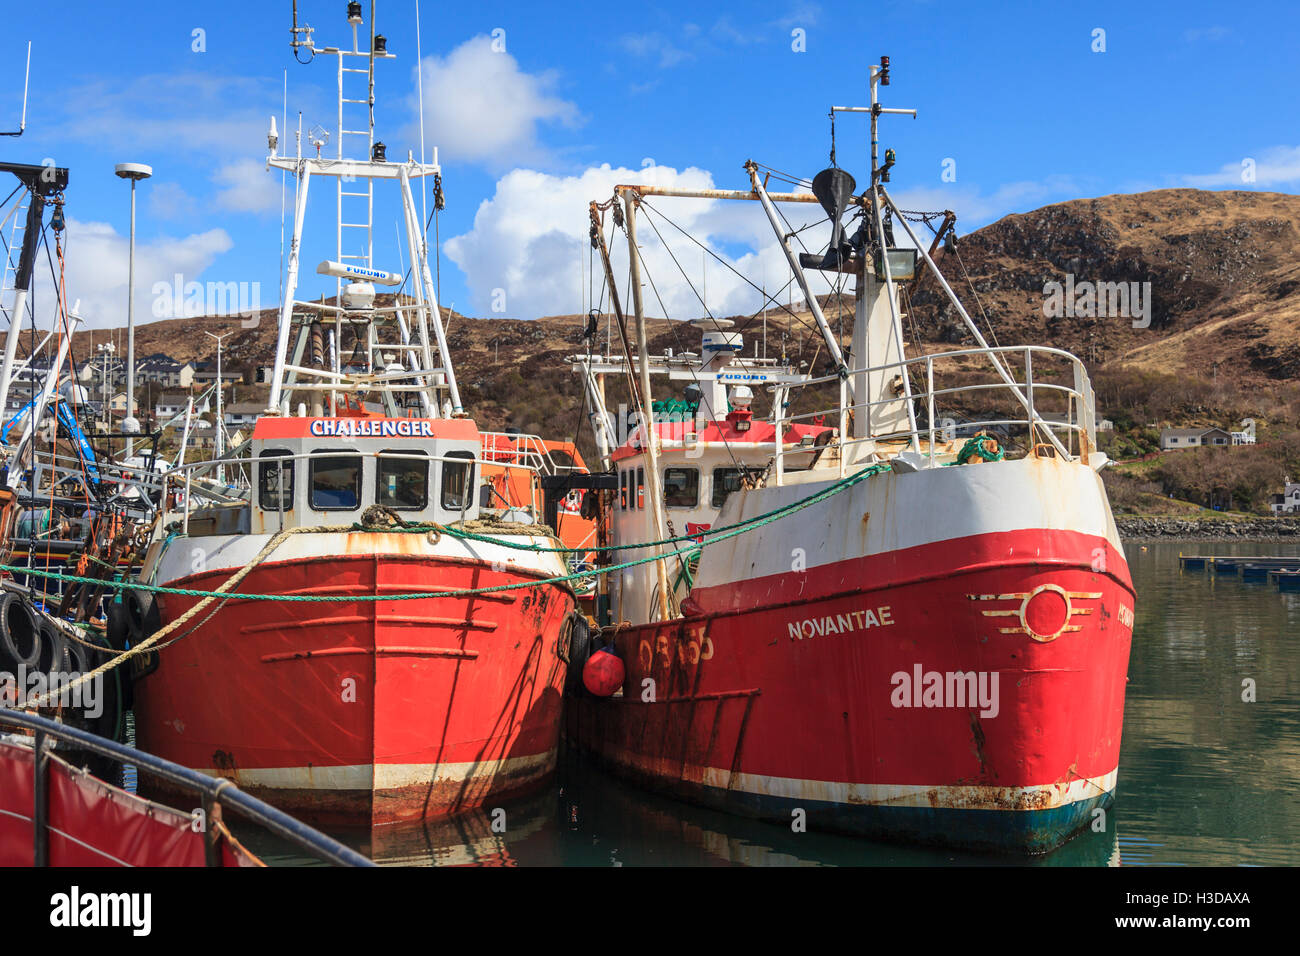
x: 592, y: 819
x: 1207, y: 777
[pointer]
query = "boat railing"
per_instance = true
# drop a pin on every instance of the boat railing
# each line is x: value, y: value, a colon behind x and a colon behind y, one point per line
x: 523, y: 449
x: 134, y: 482
x: 1052, y: 413
x: 215, y: 793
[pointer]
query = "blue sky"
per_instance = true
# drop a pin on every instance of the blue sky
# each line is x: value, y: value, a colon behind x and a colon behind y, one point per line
x: 1014, y: 94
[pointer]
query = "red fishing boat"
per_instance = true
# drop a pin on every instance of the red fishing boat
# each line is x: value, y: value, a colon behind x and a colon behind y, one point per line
x: 909, y: 614
x: 330, y: 684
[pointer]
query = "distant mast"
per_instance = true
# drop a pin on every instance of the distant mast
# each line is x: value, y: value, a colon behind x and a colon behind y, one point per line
x: 27, y: 75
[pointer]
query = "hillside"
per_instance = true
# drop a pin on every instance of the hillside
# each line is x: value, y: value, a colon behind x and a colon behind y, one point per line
x: 1223, y: 269
x: 1223, y: 341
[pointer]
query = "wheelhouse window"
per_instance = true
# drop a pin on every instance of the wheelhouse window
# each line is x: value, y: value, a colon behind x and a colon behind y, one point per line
x: 622, y: 490
x: 275, y: 480
x: 682, y: 487
x: 402, y: 483
x: 457, y: 479
x: 335, y: 482
x: 640, y: 489
x: 727, y: 480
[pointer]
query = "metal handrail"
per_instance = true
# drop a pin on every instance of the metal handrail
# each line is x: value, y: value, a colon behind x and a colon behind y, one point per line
x: 215, y: 791
x: 954, y: 353
x: 1079, y: 419
x: 528, y: 447
x: 339, y: 453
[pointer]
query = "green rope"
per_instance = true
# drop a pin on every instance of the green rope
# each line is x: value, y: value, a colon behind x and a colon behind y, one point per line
x: 722, y: 530
x: 735, y: 530
x: 975, y: 446
x: 687, y: 569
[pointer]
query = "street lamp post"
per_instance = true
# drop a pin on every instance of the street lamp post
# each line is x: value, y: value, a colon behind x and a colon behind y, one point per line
x: 220, y: 423
x: 134, y: 172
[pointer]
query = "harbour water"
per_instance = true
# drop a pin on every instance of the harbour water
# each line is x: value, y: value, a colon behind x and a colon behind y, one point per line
x: 1206, y: 777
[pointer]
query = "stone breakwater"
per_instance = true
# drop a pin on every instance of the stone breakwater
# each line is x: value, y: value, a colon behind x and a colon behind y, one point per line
x: 1209, y: 528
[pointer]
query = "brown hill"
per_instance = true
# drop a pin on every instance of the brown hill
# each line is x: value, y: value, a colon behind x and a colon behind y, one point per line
x: 1225, y: 307
x: 1222, y: 267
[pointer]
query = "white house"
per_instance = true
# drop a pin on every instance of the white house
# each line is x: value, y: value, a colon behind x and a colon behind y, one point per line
x: 1174, y: 438
x: 169, y: 406
x: 164, y: 370
x: 242, y: 413
x: 1247, y: 434
x: 205, y: 373
x: 1288, y: 502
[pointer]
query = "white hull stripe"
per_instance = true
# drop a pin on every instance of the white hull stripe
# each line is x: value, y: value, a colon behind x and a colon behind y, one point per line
x: 896, y: 512
x: 368, y: 777
x: 1035, y: 797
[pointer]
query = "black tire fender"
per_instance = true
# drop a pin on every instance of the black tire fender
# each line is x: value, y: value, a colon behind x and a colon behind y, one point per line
x: 20, y: 638
x: 580, y: 645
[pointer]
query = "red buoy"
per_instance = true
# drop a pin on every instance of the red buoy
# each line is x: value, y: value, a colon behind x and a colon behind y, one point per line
x: 603, y: 673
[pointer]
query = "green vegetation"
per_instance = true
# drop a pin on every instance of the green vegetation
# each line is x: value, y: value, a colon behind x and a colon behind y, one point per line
x: 1225, y: 479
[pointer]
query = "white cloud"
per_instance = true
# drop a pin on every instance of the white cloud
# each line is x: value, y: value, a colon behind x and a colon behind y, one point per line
x: 479, y: 106
x: 246, y: 185
x: 1275, y: 166
x: 802, y: 14
x: 97, y: 258
x: 1208, y: 33
x: 656, y: 45
x: 201, y: 113
x: 529, y: 238
x: 170, y: 201
x: 692, y: 42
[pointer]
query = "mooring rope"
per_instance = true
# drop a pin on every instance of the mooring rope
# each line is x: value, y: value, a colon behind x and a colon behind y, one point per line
x: 225, y: 592
x: 162, y: 632
x: 756, y: 521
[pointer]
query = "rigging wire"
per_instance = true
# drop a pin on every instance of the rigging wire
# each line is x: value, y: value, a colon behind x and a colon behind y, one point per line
x: 768, y: 299
x: 672, y: 326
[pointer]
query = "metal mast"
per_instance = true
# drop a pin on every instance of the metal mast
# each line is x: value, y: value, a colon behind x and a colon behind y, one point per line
x: 399, y: 357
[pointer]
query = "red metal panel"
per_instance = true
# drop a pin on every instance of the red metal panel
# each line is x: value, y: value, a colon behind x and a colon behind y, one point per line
x: 453, y: 685
x: 93, y: 824
x: 272, y: 428
x: 737, y: 689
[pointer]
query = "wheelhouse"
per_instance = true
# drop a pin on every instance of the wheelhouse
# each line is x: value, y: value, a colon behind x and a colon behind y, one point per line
x: 309, y: 471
